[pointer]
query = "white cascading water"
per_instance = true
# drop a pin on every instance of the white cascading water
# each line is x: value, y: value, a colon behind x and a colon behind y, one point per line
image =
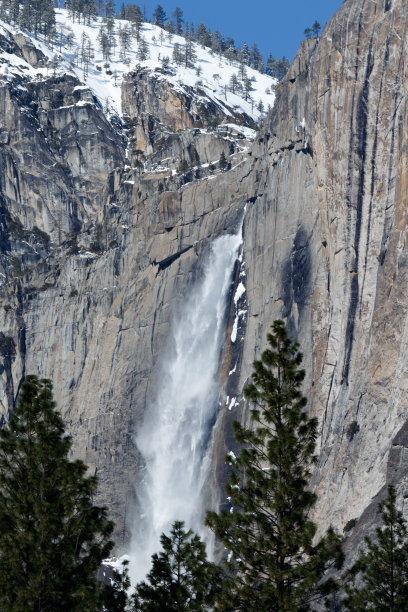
x: 175, y: 435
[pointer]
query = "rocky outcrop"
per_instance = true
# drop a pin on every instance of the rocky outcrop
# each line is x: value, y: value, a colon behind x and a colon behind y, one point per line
x: 158, y: 112
x: 27, y: 51
x: 21, y: 46
x: 55, y: 153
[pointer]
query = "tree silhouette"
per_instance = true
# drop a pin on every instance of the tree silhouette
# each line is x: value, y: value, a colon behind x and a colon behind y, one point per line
x: 52, y: 537
x: 181, y: 578
x: 272, y: 557
x: 381, y: 569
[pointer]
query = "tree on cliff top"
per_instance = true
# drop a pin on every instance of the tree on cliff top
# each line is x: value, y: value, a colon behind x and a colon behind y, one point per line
x: 52, y: 537
x: 383, y: 567
x: 313, y: 31
x: 272, y: 558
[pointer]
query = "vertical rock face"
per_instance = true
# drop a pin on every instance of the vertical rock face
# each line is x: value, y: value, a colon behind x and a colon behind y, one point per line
x: 172, y: 122
x: 97, y: 256
x: 323, y: 192
x: 56, y: 150
x: 326, y: 244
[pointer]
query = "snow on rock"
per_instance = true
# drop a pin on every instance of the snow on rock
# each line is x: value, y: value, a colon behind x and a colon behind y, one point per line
x: 234, y: 329
x: 87, y: 255
x: 240, y: 313
x: 234, y: 369
x: 116, y: 562
x: 233, y: 402
x: 213, y: 76
x: 247, y: 132
x: 239, y: 292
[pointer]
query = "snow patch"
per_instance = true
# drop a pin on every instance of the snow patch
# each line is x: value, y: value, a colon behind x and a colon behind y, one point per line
x: 234, y: 329
x: 234, y: 369
x: 239, y: 292
x: 233, y: 402
x: 87, y: 255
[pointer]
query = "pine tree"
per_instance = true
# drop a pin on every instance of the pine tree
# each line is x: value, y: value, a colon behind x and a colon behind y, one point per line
x: 223, y: 163
x: 104, y: 44
x: 179, y: 20
x: 69, y: 5
x: 203, y: 35
x: 162, y: 37
x: 52, y: 537
x: 382, y: 568
x: 245, y: 55
x: 100, y: 7
x: 115, y: 593
x: 37, y: 16
x: 177, y: 55
x: 133, y: 12
x: 125, y: 40
x: 134, y: 15
x: 242, y: 72
x: 88, y: 10
x: 11, y: 10
x: 270, y: 65
x: 169, y: 27
x: 86, y: 54
x: 316, y: 27
x: 189, y: 53
x: 109, y: 9
x: 142, y: 53
x: 230, y: 52
x: 267, y: 533
x: 217, y: 44
x: 247, y: 89
x: 281, y: 67
x: 110, y: 30
x: 183, y: 166
x: 234, y: 85
x: 261, y: 118
x: 159, y: 16
x: 255, y: 56
x: 181, y: 578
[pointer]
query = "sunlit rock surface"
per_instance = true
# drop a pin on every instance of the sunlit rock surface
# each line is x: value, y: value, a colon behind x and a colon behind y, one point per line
x: 326, y: 247
x: 323, y: 191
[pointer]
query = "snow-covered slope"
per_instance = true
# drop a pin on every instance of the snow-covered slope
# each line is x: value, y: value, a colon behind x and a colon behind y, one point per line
x: 213, y: 74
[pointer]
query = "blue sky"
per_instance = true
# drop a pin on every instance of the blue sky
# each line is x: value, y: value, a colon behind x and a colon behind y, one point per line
x: 275, y: 25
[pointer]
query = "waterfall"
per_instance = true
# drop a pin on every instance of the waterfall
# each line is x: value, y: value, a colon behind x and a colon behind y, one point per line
x: 177, y: 428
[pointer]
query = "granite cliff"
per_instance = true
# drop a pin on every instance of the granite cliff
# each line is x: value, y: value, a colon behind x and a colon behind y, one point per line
x: 335, y: 199
x: 101, y: 241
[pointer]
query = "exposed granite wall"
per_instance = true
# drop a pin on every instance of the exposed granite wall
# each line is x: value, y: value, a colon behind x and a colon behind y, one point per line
x: 324, y: 190
x: 326, y: 244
